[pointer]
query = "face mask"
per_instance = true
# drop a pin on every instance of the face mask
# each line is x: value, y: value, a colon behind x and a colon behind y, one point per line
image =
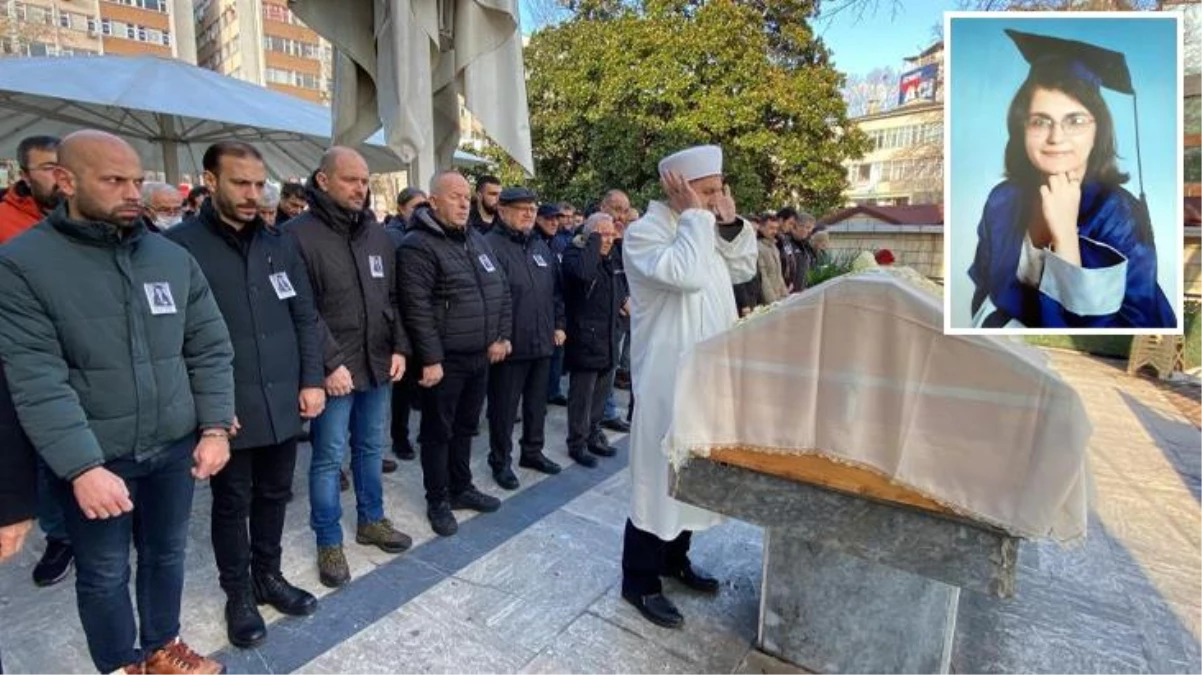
x: 167, y: 222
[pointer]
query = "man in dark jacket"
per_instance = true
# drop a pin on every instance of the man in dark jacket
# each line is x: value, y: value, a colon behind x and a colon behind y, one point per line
x: 114, y: 369
x: 292, y: 203
x: 262, y: 288
x: 616, y: 204
x: 807, y: 256
x: 484, y: 211
x: 405, y: 392
x: 538, y: 328
x: 18, y: 479
x: 352, y: 269
x: 29, y: 201
x: 790, y: 260
x: 593, y: 296
x: 546, y: 226
x: 457, y: 309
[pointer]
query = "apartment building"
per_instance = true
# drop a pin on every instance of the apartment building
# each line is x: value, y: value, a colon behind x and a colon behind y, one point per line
x: 261, y: 41
x: 905, y: 164
x: 91, y: 27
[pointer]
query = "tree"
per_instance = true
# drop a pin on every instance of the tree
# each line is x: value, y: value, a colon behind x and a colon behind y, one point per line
x: 610, y: 96
x: 508, y: 171
x: 879, y: 86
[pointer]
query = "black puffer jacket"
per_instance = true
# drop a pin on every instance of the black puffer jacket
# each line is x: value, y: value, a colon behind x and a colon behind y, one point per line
x: 593, y: 295
x: 534, y: 287
x: 454, y: 294
x: 352, y: 269
x: 18, y: 464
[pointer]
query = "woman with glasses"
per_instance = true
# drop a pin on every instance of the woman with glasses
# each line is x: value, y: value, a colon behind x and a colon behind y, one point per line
x: 1061, y: 244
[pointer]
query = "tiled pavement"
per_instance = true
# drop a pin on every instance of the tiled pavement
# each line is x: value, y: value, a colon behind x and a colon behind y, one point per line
x: 533, y: 588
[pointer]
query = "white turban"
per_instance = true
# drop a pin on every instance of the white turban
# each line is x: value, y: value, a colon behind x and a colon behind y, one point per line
x: 695, y: 163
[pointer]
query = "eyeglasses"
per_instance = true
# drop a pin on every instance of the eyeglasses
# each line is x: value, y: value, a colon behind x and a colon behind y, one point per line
x: 1073, y: 125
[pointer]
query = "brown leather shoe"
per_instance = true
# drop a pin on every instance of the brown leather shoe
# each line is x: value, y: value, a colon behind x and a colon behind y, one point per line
x: 131, y: 669
x: 177, y: 658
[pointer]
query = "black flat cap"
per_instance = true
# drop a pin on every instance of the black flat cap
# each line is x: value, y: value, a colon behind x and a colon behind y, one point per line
x: 514, y: 195
x: 548, y: 211
x: 1091, y: 63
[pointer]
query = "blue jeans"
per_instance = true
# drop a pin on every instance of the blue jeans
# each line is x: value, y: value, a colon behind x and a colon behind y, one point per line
x: 363, y: 415
x: 555, y: 386
x: 161, y: 491
x: 50, y: 513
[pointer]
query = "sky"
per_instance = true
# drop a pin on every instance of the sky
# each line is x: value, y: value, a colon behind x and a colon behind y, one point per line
x: 894, y: 30
x: 986, y: 70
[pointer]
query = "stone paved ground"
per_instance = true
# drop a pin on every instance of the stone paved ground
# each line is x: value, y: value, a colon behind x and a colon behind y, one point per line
x: 534, y: 587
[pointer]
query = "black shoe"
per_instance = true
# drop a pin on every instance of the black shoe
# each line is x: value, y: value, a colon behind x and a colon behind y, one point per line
x: 273, y: 589
x: 602, y: 449
x: 583, y: 458
x: 695, y: 579
x: 243, y: 624
x: 442, y: 521
x: 475, y: 500
x: 404, y: 450
x: 616, y: 424
x: 388, y: 466
x: 539, y: 463
x: 505, y: 478
x: 558, y: 400
x: 55, y: 563
x: 657, y: 609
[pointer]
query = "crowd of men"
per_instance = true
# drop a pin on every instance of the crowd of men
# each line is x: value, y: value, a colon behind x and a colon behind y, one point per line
x: 195, y: 335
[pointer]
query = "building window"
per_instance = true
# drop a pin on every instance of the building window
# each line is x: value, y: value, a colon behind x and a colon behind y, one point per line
x: 64, y: 20
x: 91, y: 25
x: 166, y: 39
x: 106, y: 26
x: 864, y: 173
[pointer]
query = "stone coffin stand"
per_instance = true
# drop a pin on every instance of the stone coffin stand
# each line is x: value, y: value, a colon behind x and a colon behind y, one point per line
x: 860, y: 575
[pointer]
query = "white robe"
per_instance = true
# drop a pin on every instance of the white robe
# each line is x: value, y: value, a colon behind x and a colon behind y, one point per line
x: 681, y: 275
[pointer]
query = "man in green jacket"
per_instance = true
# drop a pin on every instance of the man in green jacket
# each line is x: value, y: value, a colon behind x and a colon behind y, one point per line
x: 121, y: 371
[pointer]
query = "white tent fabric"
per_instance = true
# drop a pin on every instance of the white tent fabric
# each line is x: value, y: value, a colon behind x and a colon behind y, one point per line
x: 402, y: 64
x: 170, y: 111
x: 858, y: 370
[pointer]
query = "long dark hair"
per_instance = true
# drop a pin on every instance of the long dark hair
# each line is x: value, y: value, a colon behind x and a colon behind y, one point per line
x: 1102, y: 165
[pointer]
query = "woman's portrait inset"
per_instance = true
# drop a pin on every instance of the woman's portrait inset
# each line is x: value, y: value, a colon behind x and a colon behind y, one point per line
x: 1071, y: 236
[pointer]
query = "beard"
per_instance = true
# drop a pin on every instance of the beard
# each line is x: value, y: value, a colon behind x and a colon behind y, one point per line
x: 47, y: 200
x: 490, y: 210
x: 118, y: 216
x: 229, y: 210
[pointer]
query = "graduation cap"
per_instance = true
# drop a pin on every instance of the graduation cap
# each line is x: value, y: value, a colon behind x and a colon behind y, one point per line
x: 1093, y: 64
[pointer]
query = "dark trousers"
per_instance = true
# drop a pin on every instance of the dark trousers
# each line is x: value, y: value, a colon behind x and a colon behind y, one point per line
x: 646, y: 557
x: 450, y: 412
x: 253, y: 488
x: 161, y: 491
x: 587, y: 392
x: 404, y: 394
x: 50, y: 513
x: 509, y: 382
x: 555, y: 378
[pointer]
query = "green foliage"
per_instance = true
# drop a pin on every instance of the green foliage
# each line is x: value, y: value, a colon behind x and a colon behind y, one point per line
x: 837, y: 263
x: 503, y: 167
x: 622, y: 84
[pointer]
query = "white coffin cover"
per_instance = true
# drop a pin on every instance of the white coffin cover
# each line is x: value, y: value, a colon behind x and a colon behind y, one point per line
x: 858, y: 370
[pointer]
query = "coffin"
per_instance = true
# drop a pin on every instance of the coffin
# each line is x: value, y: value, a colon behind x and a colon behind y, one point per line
x: 853, y: 385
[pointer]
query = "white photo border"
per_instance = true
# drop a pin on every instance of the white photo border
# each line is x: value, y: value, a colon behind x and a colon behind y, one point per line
x: 1178, y: 298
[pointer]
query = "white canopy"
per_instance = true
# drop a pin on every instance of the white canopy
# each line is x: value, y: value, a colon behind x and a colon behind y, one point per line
x: 402, y: 64
x: 858, y: 370
x: 170, y: 111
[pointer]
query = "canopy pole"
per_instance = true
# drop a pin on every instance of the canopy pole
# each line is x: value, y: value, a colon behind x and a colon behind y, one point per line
x: 170, y: 149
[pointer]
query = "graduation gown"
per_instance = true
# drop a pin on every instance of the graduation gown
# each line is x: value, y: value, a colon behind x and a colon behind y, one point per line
x: 1021, y: 286
x: 680, y: 274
